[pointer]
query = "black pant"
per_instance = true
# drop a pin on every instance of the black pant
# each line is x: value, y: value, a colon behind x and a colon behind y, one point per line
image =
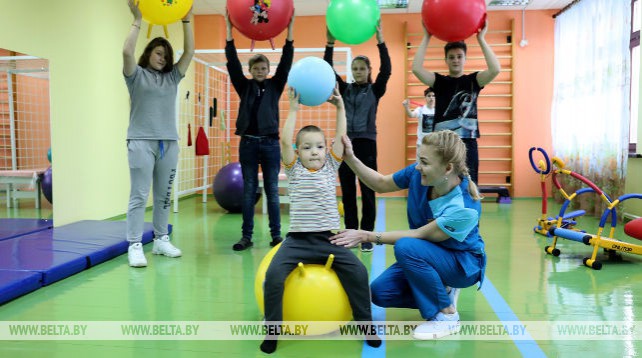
x: 366, y: 151
x: 314, y: 248
x: 472, y: 157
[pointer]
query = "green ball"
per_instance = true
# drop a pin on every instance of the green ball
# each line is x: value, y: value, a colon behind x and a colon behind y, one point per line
x: 352, y: 21
x: 49, y: 155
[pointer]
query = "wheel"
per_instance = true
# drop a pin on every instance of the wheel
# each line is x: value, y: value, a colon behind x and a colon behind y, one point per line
x: 595, y: 265
x: 613, y: 255
x: 551, y: 251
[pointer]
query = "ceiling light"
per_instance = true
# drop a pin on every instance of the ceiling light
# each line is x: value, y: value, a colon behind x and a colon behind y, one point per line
x: 393, y: 4
x: 509, y: 2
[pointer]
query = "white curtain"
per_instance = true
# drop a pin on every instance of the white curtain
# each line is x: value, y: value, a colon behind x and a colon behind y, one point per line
x: 590, y: 110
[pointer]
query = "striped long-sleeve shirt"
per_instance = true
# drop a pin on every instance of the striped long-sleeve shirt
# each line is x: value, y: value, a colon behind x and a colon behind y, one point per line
x: 313, y: 196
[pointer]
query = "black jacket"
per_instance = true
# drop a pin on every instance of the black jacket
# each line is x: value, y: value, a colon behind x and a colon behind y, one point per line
x: 247, y: 89
x: 361, y: 101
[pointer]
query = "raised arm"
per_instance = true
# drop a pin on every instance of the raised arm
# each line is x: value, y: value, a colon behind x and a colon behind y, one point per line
x: 327, y: 57
x: 492, y: 63
x: 280, y: 77
x: 228, y: 27
x: 129, y: 61
x: 385, y: 66
x: 341, y: 130
x: 287, y: 152
x: 373, y: 179
x: 188, y: 43
x: 234, y: 68
x: 291, y: 27
x: 329, y: 46
x: 422, y: 74
x: 406, y: 106
x: 379, y: 33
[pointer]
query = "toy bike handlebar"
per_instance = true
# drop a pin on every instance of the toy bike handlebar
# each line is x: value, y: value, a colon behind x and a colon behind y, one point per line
x: 535, y: 167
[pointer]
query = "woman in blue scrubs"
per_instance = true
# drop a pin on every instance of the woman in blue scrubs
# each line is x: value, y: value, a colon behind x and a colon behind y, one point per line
x: 442, y: 251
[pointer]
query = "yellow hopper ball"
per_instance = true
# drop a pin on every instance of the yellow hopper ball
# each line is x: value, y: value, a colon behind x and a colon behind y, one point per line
x: 260, y: 276
x: 163, y: 12
x: 313, y: 293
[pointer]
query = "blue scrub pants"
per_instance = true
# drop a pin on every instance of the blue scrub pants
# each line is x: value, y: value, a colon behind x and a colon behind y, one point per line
x: 419, y: 277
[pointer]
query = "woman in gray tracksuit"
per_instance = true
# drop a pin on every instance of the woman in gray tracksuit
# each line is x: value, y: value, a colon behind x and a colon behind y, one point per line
x: 152, y: 136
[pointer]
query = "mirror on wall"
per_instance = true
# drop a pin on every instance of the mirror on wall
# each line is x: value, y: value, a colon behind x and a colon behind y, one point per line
x: 25, y: 140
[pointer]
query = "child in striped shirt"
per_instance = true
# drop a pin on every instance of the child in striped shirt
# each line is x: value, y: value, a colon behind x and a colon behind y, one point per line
x: 311, y: 172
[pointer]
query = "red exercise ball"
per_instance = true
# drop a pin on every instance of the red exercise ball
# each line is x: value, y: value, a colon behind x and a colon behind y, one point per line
x: 453, y: 20
x: 260, y: 19
x: 634, y: 228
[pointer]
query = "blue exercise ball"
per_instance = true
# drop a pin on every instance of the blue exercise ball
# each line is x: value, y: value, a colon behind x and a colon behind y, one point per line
x: 46, y: 183
x: 49, y: 155
x: 228, y: 188
x: 313, y: 79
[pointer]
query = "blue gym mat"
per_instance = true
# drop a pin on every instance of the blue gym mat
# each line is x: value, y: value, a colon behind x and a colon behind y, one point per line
x: 17, y: 283
x: 56, y: 253
x: 10, y: 228
x: 37, y: 252
x: 99, y: 241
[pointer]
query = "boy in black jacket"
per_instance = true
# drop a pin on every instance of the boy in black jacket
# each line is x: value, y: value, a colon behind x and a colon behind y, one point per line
x: 258, y: 126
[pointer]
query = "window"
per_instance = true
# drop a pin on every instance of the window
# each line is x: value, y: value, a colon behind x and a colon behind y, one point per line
x: 635, y: 75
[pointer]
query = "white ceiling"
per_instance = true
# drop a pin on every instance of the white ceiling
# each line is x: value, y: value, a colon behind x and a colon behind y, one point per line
x: 318, y: 7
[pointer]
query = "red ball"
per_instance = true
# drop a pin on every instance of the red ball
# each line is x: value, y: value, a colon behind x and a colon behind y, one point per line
x: 260, y: 19
x: 453, y: 20
x: 634, y: 228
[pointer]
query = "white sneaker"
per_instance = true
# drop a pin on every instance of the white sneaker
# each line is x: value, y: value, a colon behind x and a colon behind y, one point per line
x: 440, y: 326
x: 136, y: 255
x: 162, y: 246
x: 454, y: 296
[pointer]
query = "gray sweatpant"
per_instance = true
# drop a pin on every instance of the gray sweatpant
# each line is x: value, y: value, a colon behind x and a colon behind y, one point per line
x: 146, y: 164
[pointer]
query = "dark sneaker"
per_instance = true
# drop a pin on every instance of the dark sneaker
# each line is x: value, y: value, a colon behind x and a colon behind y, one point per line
x: 367, y: 247
x: 243, y: 244
x: 275, y: 241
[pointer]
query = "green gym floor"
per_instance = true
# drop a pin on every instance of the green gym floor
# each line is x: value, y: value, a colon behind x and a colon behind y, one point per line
x: 213, y: 283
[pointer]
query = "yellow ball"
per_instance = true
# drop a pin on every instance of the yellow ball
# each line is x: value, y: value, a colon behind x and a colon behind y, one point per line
x: 163, y: 12
x: 313, y: 293
x: 340, y: 208
x: 260, y: 276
